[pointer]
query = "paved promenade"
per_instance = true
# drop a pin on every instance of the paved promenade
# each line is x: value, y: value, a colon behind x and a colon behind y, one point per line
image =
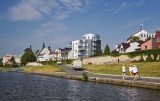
x: 71, y: 71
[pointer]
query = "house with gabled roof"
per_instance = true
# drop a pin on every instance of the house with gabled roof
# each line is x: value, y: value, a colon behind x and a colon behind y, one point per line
x: 7, y: 58
x: 126, y: 47
x: 142, y: 34
x: 45, y: 54
x: 152, y: 43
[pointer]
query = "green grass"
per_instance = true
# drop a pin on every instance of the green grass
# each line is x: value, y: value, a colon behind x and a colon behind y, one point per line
x: 147, y: 69
x: 5, y: 68
x: 45, y: 68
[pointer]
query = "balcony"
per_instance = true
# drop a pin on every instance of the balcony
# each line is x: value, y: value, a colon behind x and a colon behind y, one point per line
x: 94, y: 49
x: 82, y: 48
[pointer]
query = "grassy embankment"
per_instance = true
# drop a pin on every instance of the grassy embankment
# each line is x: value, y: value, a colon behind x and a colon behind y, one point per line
x: 47, y: 67
x: 147, y: 69
x: 44, y: 68
x: 4, y: 68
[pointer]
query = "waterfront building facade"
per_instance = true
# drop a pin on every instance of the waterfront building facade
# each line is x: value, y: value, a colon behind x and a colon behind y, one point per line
x: 89, y: 45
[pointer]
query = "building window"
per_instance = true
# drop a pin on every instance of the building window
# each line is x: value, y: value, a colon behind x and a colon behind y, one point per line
x: 141, y: 35
x: 145, y: 47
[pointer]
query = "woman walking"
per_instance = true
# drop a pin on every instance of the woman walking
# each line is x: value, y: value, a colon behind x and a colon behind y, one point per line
x: 131, y: 71
x: 123, y: 71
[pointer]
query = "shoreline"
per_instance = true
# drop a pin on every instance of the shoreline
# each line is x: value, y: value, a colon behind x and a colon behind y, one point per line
x: 130, y: 83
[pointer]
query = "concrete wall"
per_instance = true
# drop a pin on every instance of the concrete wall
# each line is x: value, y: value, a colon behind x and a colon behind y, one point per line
x: 108, y: 59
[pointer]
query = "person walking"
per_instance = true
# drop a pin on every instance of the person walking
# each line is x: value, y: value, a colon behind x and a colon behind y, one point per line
x: 135, y: 72
x: 123, y: 71
x: 131, y: 71
x: 137, y: 75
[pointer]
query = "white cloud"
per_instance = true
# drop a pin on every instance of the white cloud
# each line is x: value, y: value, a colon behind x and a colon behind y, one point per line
x: 23, y: 11
x: 49, y: 28
x: 123, y: 6
x: 37, y: 9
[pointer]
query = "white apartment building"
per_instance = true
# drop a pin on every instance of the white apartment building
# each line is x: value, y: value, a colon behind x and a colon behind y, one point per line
x: 89, y: 45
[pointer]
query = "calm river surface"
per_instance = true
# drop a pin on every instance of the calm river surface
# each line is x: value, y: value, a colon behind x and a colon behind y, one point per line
x: 27, y: 87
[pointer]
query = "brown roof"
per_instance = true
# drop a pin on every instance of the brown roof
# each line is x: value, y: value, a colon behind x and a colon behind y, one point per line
x: 125, y: 45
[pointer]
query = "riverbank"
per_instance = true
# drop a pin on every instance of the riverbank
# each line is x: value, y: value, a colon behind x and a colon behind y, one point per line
x: 131, y: 83
x: 44, y: 68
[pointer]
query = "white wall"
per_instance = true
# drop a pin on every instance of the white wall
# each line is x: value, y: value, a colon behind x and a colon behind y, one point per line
x: 132, y: 47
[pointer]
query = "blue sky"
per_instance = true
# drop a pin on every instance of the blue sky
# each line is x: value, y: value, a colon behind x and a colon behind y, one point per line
x: 58, y: 22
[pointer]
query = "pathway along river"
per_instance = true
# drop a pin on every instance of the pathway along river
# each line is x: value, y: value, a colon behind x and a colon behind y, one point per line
x: 26, y: 87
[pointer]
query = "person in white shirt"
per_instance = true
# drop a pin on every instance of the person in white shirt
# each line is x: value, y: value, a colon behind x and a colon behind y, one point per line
x: 135, y: 71
x: 123, y: 71
x: 131, y: 71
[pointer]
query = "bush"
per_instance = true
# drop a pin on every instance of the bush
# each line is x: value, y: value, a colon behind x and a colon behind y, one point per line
x: 84, y: 76
x: 52, y: 63
x: 67, y: 61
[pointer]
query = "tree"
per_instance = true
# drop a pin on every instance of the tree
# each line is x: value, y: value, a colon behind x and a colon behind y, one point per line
x: 1, y: 63
x: 135, y: 39
x: 106, y: 50
x: 14, y: 64
x: 28, y: 56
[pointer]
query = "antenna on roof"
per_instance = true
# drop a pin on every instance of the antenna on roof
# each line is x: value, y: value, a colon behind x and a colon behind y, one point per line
x: 141, y: 27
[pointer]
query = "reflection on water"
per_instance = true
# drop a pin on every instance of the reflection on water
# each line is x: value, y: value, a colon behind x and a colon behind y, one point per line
x: 25, y: 87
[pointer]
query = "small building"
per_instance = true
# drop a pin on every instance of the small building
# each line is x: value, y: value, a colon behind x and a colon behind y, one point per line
x: 158, y: 38
x: 57, y: 54
x: 65, y: 53
x: 45, y: 54
x: 152, y: 43
x: 126, y: 47
x: 7, y: 58
x: 148, y: 44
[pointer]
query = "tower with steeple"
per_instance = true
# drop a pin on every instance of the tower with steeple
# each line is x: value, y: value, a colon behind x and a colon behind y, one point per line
x: 30, y: 47
x: 43, y: 46
x: 49, y: 48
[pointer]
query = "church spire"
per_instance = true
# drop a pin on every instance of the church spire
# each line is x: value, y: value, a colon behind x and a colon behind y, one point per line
x: 30, y: 47
x: 43, y: 46
x: 49, y: 48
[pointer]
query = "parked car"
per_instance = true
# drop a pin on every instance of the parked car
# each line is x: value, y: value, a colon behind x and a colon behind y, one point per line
x: 59, y: 62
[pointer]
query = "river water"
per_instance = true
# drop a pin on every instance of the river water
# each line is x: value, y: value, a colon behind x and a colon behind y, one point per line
x: 26, y: 87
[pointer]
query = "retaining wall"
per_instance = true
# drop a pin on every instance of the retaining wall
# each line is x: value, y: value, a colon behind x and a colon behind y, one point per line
x: 109, y: 59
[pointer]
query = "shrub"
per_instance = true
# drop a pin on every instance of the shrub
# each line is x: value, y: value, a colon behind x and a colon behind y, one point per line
x: 84, y: 76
